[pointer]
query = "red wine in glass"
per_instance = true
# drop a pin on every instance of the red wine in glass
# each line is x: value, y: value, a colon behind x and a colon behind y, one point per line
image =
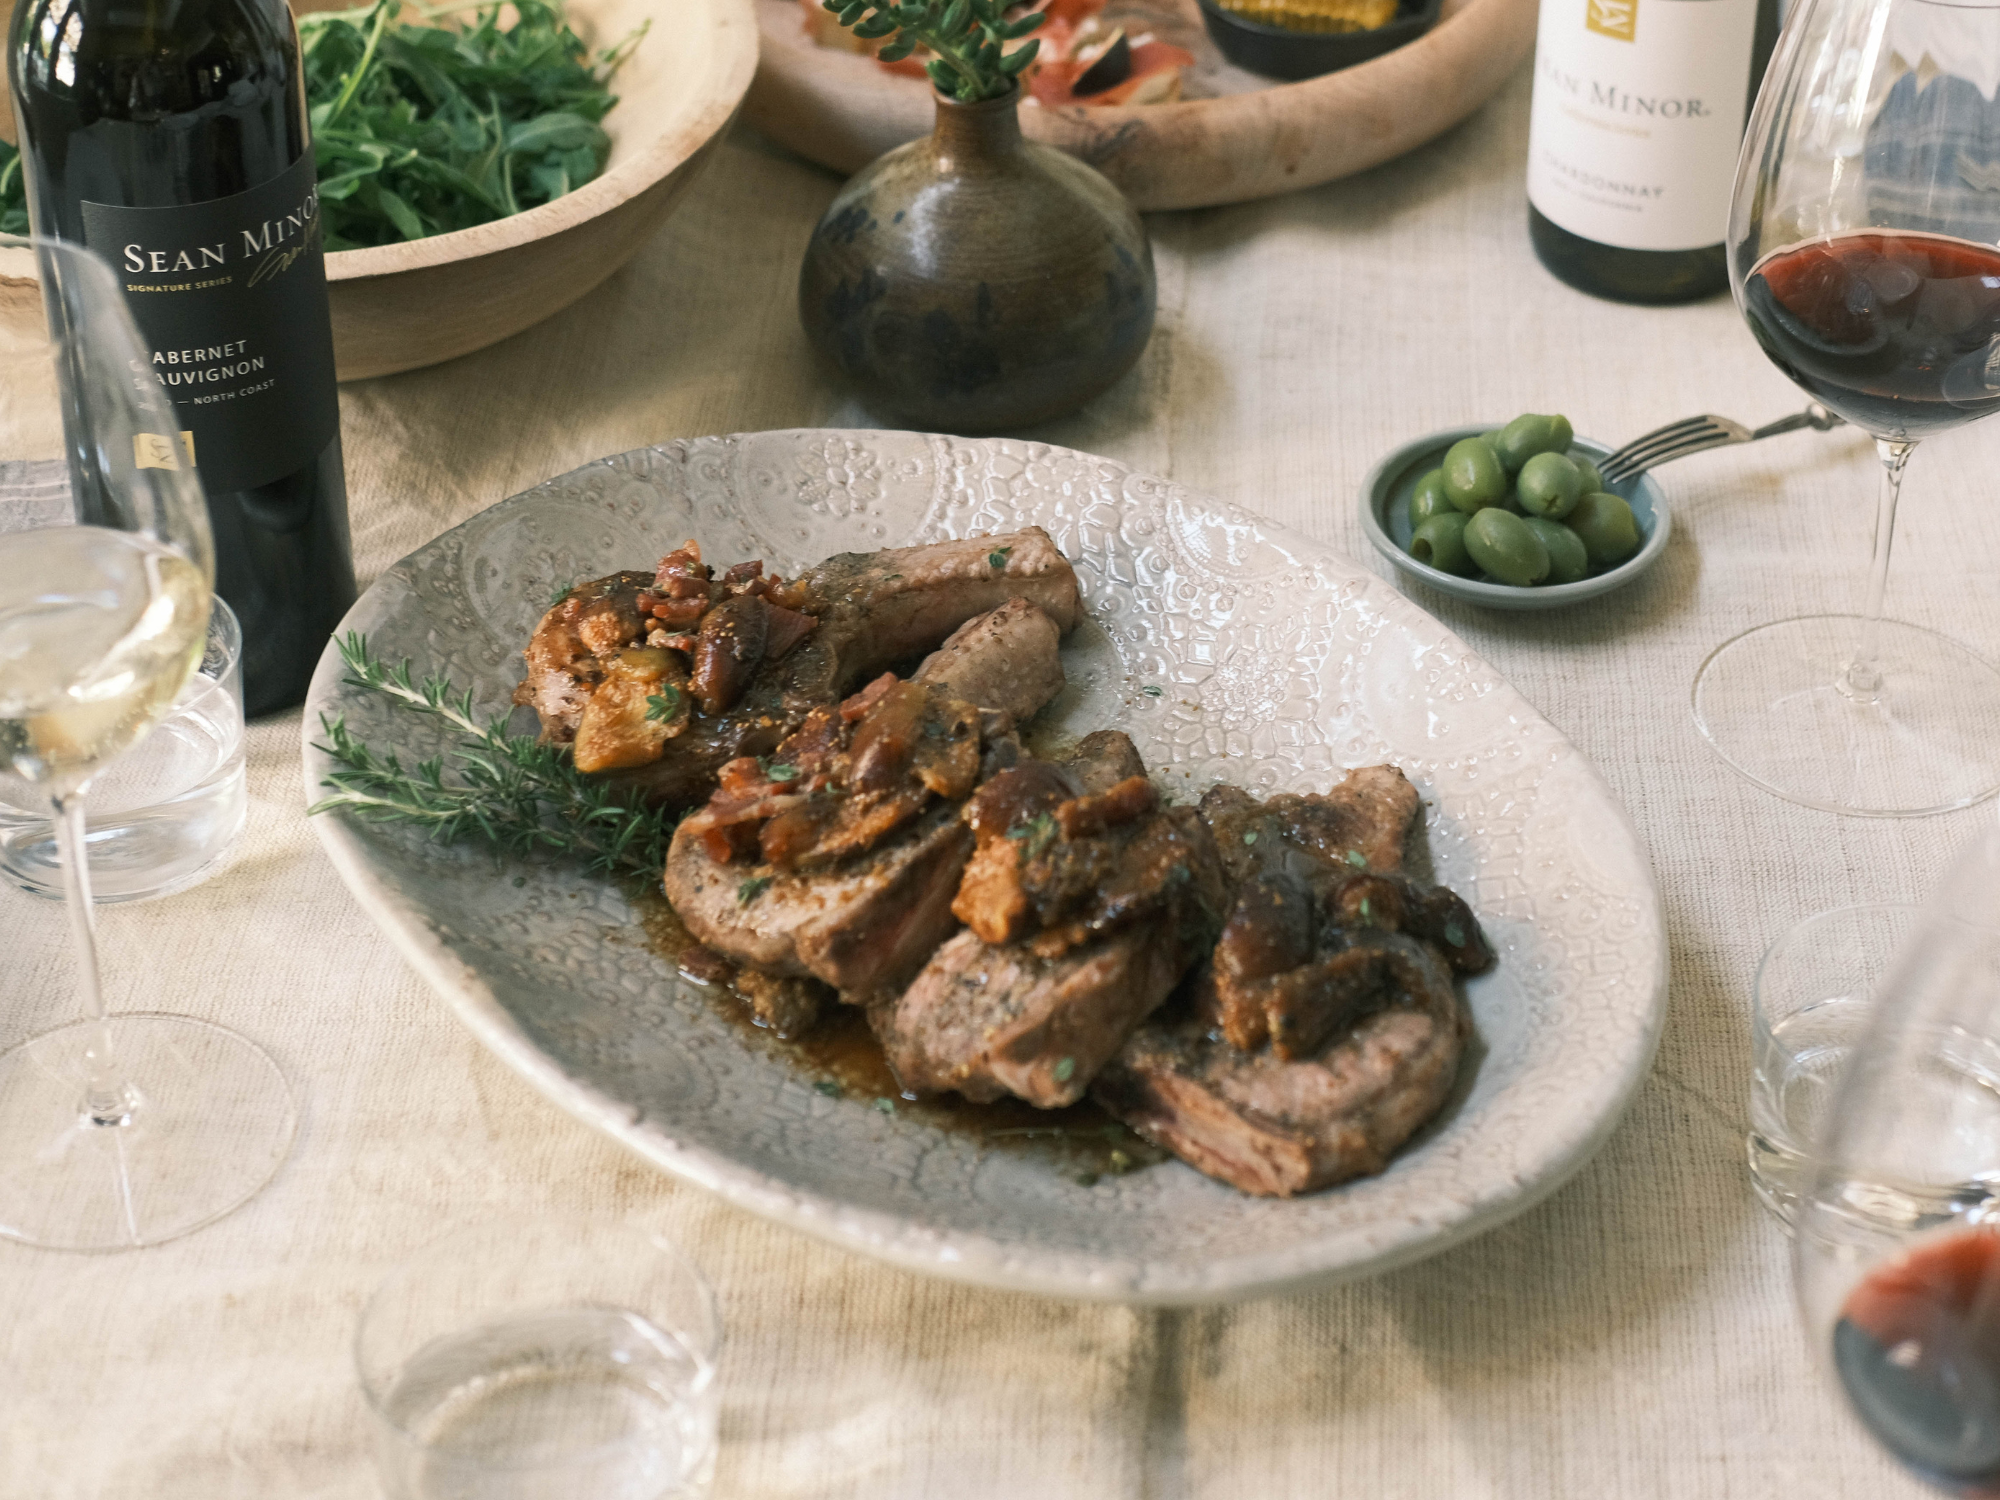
x: 1917, y: 1348
x: 1897, y: 331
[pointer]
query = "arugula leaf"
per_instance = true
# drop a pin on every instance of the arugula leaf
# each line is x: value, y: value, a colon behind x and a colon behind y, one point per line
x: 422, y: 128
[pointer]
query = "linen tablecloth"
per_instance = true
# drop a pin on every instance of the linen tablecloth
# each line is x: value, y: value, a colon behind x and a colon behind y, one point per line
x: 1632, y: 1336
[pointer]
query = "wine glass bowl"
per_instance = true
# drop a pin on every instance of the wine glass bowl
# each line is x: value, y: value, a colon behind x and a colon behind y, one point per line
x: 1862, y: 255
x: 1897, y: 1244
x: 115, y: 1131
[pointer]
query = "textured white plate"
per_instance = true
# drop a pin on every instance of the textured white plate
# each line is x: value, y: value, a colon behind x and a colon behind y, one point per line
x: 1279, y: 664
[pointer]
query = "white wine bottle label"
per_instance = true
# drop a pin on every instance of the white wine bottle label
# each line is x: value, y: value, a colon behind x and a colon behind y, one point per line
x: 1638, y: 115
x: 230, y: 298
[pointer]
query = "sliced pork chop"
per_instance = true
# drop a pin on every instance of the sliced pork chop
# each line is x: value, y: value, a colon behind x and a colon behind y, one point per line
x: 1276, y: 1127
x: 862, y: 927
x: 1086, y: 903
x: 990, y: 1021
x: 840, y: 623
x: 1005, y: 659
x: 1312, y: 878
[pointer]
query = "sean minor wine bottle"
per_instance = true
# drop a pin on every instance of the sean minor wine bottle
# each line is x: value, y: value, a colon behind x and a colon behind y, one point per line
x: 1638, y: 114
x: 170, y: 136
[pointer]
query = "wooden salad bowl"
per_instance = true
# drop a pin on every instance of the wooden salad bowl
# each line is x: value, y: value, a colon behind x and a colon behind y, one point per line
x: 399, y: 307
x: 843, y: 110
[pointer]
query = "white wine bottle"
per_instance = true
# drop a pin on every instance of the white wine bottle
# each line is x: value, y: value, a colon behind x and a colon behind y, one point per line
x: 170, y: 136
x: 1638, y: 116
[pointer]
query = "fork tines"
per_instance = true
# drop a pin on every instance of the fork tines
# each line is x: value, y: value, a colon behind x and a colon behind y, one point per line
x: 1675, y: 440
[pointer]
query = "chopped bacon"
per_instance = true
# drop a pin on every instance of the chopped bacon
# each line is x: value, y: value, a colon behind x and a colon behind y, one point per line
x: 728, y: 826
x: 857, y: 706
x: 740, y: 779
x: 742, y: 574
x: 1131, y: 798
x: 680, y: 613
x: 682, y: 574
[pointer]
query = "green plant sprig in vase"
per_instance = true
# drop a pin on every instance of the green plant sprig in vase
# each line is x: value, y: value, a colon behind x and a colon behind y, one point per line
x: 968, y: 36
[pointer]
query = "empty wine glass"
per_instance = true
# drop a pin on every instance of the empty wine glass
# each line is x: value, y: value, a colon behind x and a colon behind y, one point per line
x: 125, y: 1130
x: 1897, y: 1244
x: 1862, y: 254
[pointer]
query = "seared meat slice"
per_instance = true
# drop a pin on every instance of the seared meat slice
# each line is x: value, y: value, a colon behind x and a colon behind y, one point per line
x: 763, y: 652
x: 864, y: 926
x: 879, y: 608
x: 1363, y: 823
x: 989, y: 1021
x: 1005, y: 659
x: 1313, y: 878
x: 1275, y: 1126
x: 1087, y: 904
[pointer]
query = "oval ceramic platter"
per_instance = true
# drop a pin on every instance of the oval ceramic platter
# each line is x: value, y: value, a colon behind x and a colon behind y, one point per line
x: 1227, y: 648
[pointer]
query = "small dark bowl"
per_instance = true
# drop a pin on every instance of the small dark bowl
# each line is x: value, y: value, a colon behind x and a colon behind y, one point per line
x: 1280, y: 52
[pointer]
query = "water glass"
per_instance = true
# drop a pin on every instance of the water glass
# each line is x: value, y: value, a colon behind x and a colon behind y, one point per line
x: 1814, y: 992
x: 162, y: 816
x: 543, y: 1361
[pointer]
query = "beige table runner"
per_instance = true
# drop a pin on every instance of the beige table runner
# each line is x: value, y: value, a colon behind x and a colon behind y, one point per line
x: 1633, y: 1336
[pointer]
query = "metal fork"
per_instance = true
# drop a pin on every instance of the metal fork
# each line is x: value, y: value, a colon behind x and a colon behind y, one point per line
x: 1697, y: 435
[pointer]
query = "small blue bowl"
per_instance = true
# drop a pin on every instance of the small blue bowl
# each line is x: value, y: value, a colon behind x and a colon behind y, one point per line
x: 1385, y: 515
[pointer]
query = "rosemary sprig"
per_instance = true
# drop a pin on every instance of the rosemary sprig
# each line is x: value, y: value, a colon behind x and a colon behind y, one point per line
x: 511, y: 790
x: 968, y: 36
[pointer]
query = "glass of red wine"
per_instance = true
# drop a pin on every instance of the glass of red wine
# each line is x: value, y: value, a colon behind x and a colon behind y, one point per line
x: 1896, y: 1255
x: 1862, y: 244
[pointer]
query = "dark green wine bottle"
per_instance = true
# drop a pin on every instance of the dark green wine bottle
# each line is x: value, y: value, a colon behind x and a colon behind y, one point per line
x: 1638, y: 115
x: 170, y: 136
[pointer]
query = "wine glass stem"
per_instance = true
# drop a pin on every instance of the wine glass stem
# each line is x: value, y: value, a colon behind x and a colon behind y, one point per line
x: 1860, y: 678
x: 106, y: 1099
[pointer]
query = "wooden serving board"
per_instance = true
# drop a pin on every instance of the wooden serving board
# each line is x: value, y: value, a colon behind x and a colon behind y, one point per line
x: 1233, y: 136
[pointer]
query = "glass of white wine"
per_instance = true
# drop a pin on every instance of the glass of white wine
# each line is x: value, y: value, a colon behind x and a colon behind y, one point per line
x: 121, y: 1130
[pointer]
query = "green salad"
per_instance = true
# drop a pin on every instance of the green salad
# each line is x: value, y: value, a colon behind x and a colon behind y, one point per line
x: 420, y: 127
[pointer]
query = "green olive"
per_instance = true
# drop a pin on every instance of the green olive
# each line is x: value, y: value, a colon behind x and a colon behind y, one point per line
x: 1440, y: 543
x: 1473, y: 477
x: 1607, y: 527
x: 1529, y: 434
x: 1567, y: 560
x: 1429, y: 499
x: 1502, y: 544
x: 1549, y: 486
x: 1592, y: 480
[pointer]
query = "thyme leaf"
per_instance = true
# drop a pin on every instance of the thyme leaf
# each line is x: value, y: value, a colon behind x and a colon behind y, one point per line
x: 967, y: 37
x: 513, y: 791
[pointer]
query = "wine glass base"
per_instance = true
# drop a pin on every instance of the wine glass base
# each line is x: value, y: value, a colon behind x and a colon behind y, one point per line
x: 1768, y: 703
x: 211, y: 1122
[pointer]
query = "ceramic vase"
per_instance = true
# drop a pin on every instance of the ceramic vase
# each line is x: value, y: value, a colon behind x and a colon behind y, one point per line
x: 974, y: 281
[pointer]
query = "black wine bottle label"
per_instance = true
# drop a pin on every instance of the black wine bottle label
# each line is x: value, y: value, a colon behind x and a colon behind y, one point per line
x: 230, y: 298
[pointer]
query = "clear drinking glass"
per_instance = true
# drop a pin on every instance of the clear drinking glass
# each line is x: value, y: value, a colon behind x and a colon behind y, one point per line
x: 162, y: 817
x: 1862, y: 253
x: 115, y: 1131
x: 1896, y: 1249
x: 543, y: 1360
x: 1815, y: 991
